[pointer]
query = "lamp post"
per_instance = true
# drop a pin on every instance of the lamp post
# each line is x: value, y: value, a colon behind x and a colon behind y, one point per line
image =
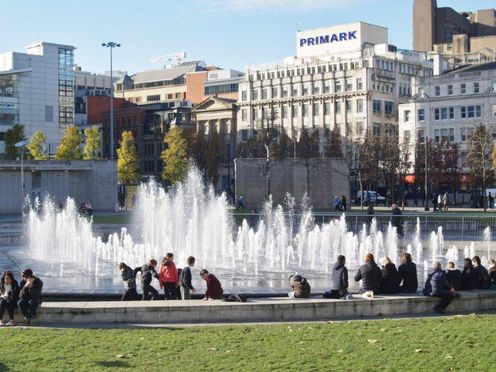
x: 426, y: 193
x: 111, y: 45
x: 22, y: 145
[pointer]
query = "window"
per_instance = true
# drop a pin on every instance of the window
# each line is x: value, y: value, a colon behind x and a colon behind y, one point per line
x: 305, y: 110
x: 155, y: 97
x: 376, y: 129
x: 244, y: 96
x: 444, y: 113
x: 49, y: 113
x: 436, y: 114
x: 244, y: 134
x: 338, y: 107
x: 294, y: 92
x: 463, y: 88
x: 264, y: 93
x: 421, y: 114
x: 376, y: 106
x: 359, y: 128
x: 476, y: 87
x: 450, y: 89
x: 359, y: 106
x: 463, y: 112
x: 284, y: 112
x: 471, y: 111
x: 169, y: 96
x: 285, y: 92
x: 315, y: 109
x: 406, y: 135
x: 437, y: 90
x: 327, y: 88
x: 244, y: 114
x: 388, y: 107
x: 348, y: 105
x: 274, y: 92
x: 254, y: 94
x: 305, y: 90
x: 478, y: 111
x: 349, y: 85
x: 451, y: 112
x: 359, y: 84
x: 327, y: 108
x: 337, y: 86
x: 451, y: 134
x: 295, y: 111
x: 421, y: 136
x: 408, y: 115
x: 316, y: 89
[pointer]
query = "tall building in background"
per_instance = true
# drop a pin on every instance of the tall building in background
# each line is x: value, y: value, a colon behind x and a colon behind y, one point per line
x: 37, y: 91
x: 461, y: 37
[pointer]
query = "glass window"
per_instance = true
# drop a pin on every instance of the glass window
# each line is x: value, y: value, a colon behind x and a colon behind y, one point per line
x: 436, y: 114
x: 305, y: 90
x: 244, y: 95
x: 450, y: 89
x: 295, y: 111
x: 388, y: 107
x: 478, y: 111
x: 463, y: 88
x: 337, y: 86
x: 437, y: 90
x: 327, y: 87
x: 315, y: 109
x: 376, y: 106
x: 444, y: 113
x: 359, y: 106
x: 338, y: 107
x: 476, y: 87
x: 244, y: 114
x: 327, y: 108
x: 349, y: 85
x: 264, y: 93
x: 451, y: 112
x: 407, y: 115
x: 359, y: 84
x: 421, y: 114
x: 463, y: 112
x: 348, y: 105
x: 305, y: 110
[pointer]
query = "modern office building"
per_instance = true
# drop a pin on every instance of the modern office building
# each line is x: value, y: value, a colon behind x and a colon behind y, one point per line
x: 223, y: 84
x: 462, y: 37
x: 37, y: 91
x: 345, y: 77
x: 447, y: 107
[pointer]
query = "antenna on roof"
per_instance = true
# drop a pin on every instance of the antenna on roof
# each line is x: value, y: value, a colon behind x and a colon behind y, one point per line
x: 169, y: 60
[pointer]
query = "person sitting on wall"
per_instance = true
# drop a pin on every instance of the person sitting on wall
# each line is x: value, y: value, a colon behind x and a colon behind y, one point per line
x: 30, y: 296
x: 454, y: 276
x: 214, y: 288
x: 148, y: 272
x: 339, y: 280
x: 481, y: 275
x: 390, y: 283
x: 370, y: 275
x: 9, y: 295
x: 468, y: 276
x: 492, y: 272
x: 300, y: 287
x: 407, y: 273
x: 437, y: 285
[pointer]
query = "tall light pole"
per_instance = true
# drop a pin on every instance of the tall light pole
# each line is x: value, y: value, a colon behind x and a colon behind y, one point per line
x: 426, y: 193
x: 111, y: 45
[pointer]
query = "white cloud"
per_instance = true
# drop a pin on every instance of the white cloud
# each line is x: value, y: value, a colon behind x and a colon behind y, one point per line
x: 246, y: 6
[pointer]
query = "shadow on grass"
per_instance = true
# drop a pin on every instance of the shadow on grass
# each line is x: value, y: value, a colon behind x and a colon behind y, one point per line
x: 113, y: 364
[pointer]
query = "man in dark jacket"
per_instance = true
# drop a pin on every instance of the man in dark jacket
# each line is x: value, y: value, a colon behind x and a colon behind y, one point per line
x: 454, y: 276
x: 469, y: 281
x: 481, y: 275
x: 147, y: 273
x: 129, y: 279
x: 437, y: 285
x: 407, y: 272
x: 30, y: 296
x: 370, y: 275
x: 185, y: 280
x: 300, y: 287
x: 339, y: 280
x: 214, y: 288
x: 397, y: 220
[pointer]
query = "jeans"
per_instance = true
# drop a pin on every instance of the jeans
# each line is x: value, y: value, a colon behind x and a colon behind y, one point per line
x: 446, y: 299
x: 335, y: 293
x: 146, y: 289
x: 130, y: 295
x: 9, y: 306
x: 28, y: 307
x: 170, y: 290
x: 185, y: 293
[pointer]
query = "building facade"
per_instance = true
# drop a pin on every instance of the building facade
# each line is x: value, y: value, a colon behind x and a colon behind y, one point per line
x: 447, y: 107
x: 345, y: 77
x: 37, y: 91
x: 223, y: 84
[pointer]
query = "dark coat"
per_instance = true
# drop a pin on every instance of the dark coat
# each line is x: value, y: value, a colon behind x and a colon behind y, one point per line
x: 147, y: 273
x: 408, y: 276
x: 397, y: 221
x: 482, y: 278
x: 128, y: 277
x: 340, y: 277
x: 33, y: 293
x: 13, y: 295
x: 390, y: 279
x: 454, y: 278
x: 370, y: 215
x: 185, y: 278
x: 371, y: 277
x: 437, y: 284
x: 492, y: 275
x: 468, y: 278
x: 214, y: 288
x: 300, y: 286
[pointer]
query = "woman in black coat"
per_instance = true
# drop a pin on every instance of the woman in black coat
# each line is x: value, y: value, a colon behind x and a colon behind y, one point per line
x: 390, y: 278
x: 468, y: 276
x: 9, y: 294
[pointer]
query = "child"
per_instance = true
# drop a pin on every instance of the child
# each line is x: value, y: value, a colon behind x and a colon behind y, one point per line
x: 300, y: 287
x: 168, y: 277
x: 147, y: 273
x: 185, y: 280
x: 214, y: 288
x: 129, y: 279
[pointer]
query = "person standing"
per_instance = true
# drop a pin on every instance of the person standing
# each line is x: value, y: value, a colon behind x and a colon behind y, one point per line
x: 339, y: 280
x: 147, y: 274
x: 337, y: 204
x: 397, y: 220
x: 129, y: 279
x: 445, y: 201
x: 30, y: 295
x: 370, y: 275
x: 407, y: 274
x: 168, y: 277
x: 490, y: 198
x: 241, y: 202
x: 9, y: 295
x: 439, y: 202
x: 434, y: 203
x: 343, y: 203
x: 390, y: 278
x: 481, y: 275
x: 454, y: 276
x: 437, y: 285
x: 185, y: 280
x: 214, y: 288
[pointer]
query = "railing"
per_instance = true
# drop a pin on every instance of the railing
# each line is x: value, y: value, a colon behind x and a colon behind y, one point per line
x: 455, y: 226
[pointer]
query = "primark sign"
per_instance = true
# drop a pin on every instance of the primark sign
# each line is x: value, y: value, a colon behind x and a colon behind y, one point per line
x: 327, y: 39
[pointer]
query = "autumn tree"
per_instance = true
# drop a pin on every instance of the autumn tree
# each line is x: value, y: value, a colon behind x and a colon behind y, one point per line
x: 198, y: 149
x: 281, y: 147
x: 127, y: 160
x: 92, y: 148
x: 175, y: 156
x: 333, y: 146
x: 13, y: 136
x: 367, y: 164
x: 36, y: 146
x: 69, y: 147
x: 307, y: 151
x: 479, y: 158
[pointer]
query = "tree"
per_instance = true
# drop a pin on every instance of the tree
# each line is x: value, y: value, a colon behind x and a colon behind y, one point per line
x: 404, y: 166
x: 282, y: 147
x: 127, y: 160
x: 92, y: 148
x: 13, y: 136
x: 175, y: 157
x: 215, y: 155
x: 333, y: 147
x: 307, y: 151
x: 389, y: 162
x: 198, y: 149
x: 367, y: 163
x: 479, y: 158
x: 69, y: 147
x: 36, y: 146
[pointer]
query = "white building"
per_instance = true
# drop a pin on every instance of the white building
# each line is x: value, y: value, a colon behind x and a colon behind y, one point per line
x: 448, y: 106
x: 37, y: 90
x: 346, y: 77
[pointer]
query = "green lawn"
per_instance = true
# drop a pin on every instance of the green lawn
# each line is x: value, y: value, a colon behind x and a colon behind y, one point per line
x: 437, y: 344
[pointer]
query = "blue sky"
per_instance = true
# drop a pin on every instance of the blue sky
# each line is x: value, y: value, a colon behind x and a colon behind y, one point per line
x: 227, y: 33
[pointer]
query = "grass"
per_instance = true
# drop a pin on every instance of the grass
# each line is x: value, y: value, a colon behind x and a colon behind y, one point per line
x: 439, y: 344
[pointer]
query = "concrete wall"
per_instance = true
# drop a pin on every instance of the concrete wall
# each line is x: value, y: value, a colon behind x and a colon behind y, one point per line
x: 85, y: 181
x: 328, y: 177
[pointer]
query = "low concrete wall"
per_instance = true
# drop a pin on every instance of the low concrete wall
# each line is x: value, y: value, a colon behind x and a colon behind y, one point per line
x: 266, y: 310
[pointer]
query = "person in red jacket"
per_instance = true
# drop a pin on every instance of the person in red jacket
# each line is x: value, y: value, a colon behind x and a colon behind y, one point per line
x: 214, y: 288
x: 168, y: 278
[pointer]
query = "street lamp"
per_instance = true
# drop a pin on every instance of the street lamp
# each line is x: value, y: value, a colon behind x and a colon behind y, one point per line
x: 426, y: 193
x: 111, y: 45
x: 22, y: 145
